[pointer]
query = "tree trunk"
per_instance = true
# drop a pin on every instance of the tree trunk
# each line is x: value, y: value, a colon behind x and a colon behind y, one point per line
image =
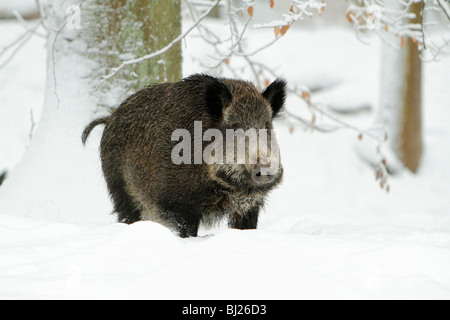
x: 57, y: 178
x: 128, y: 30
x: 401, y: 97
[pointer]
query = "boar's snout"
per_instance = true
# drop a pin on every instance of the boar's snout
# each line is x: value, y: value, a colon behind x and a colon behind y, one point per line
x: 263, y: 173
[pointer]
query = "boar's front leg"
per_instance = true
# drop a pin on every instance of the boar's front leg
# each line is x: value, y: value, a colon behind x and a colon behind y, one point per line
x: 183, y: 218
x: 188, y: 227
x: 249, y: 220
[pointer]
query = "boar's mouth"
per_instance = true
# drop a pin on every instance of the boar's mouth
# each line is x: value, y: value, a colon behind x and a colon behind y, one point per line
x: 242, y: 180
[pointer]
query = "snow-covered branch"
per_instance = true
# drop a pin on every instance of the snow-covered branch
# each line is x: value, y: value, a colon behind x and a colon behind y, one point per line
x: 10, y: 50
x: 230, y: 51
x: 380, y: 16
x: 298, y: 11
x: 387, y: 17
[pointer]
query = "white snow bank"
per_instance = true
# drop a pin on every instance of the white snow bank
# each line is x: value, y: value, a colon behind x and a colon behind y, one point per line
x: 147, y: 261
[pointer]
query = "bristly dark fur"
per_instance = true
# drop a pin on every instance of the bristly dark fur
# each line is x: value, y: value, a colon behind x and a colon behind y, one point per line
x: 217, y: 96
x: 136, y: 153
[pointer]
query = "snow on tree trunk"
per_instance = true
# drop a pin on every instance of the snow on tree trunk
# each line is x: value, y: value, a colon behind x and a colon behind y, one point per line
x: 401, y: 95
x: 57, y: 178
x: 129, y: 30
x: 50, y: 180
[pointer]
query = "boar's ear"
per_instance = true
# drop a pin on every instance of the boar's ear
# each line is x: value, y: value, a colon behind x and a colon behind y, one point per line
x: 275, y: 93
x: 217, y: 96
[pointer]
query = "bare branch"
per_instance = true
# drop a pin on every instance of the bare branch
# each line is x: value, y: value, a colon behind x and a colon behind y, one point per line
x: 445, y: 8
x: 26, y: 35
x: 16, y: 45
x: 376, y: 16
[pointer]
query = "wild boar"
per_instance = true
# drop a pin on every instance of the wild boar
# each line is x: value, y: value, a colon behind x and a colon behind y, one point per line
x: 140, y: 153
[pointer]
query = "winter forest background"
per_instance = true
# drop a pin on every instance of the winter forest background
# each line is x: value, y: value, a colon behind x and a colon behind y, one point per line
x: 364, y: 208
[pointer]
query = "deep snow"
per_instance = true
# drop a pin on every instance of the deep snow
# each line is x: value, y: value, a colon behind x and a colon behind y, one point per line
x: 328, y: 232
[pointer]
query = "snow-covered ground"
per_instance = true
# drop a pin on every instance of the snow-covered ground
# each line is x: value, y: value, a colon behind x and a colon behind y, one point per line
x: 328, y: 232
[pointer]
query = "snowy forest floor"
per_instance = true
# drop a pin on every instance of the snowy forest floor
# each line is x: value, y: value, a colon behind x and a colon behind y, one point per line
x: 328, y: 232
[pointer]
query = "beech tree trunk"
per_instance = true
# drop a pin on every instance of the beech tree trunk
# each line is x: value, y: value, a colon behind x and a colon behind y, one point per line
x: 57, y: 178
x: 401, y: 97
x: 131, y: 29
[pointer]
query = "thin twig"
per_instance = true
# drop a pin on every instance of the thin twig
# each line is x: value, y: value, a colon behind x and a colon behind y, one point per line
x: 16, y: 49
x: 424, y: 3
x: 29, y: 30
x: 444, y: 8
